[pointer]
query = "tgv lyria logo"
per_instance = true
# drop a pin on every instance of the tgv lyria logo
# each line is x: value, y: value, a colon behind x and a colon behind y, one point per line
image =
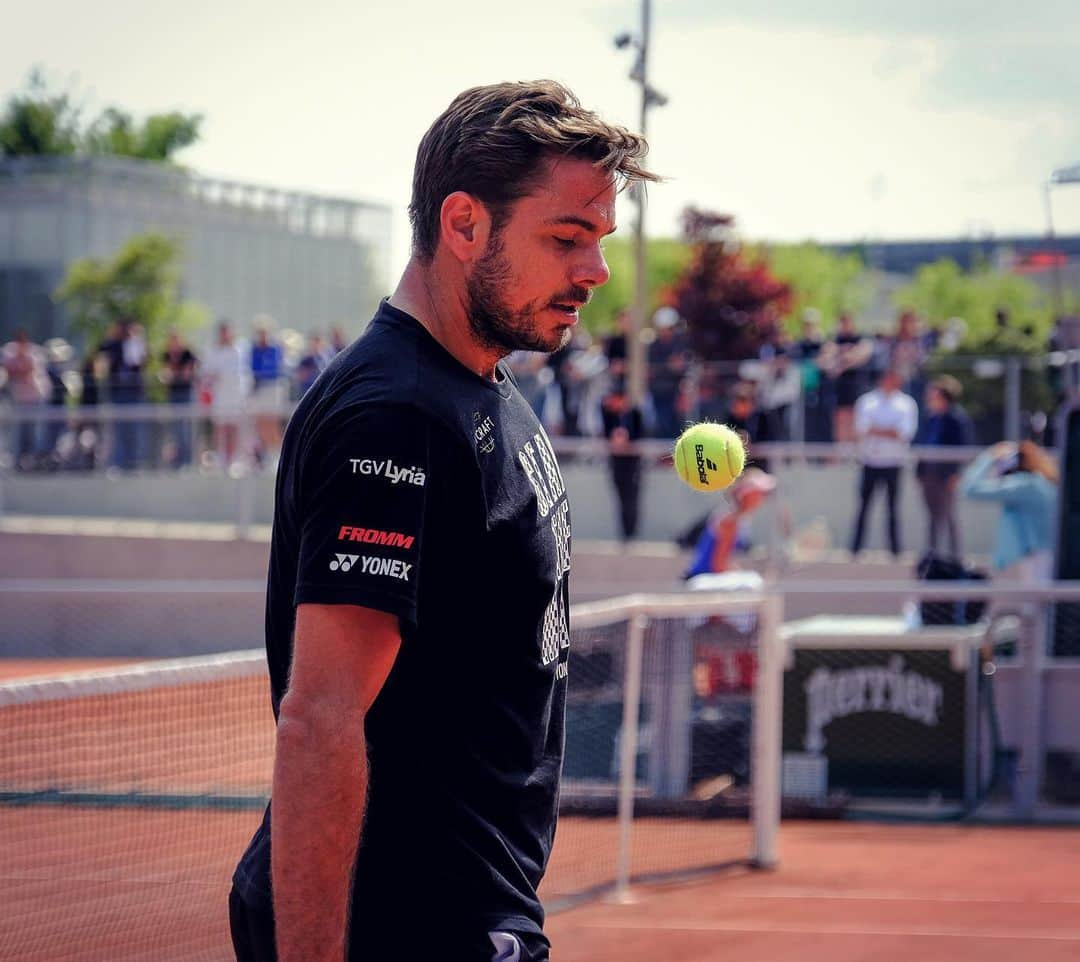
x: 343, y: 562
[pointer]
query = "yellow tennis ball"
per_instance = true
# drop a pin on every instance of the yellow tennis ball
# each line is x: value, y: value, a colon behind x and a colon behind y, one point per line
x: 708, y: 457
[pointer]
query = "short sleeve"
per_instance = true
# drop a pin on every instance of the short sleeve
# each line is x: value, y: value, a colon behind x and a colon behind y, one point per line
x: 363, y: 506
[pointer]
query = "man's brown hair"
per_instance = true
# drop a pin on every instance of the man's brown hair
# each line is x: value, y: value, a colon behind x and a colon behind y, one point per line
x: 493, y: 142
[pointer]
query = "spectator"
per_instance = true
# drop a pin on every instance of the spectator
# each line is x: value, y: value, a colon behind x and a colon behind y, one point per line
x: 947, y: 426
x: 616, y: 348
x: 908, y: 352
x: 338, y: 341
x: 668, y: 359
x: 125, y: 349
x: 806, y: 350
x: 721, y: 534
x: 744, y: 416
x: 1023, y: 479
x: 533, y: 377
x: 312, y: 364
x: 178, y: 364
x: 568, y: 376
x: 58, y: 353
x: 28, y: 388
x: 885, y: 422
x: 269, y: 393
x: 779, y: 389
x: 623, y: 426
x: 226, y: 376
x: 844, y: 359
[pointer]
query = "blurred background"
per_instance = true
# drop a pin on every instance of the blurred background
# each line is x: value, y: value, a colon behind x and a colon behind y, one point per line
x: 862, y: 205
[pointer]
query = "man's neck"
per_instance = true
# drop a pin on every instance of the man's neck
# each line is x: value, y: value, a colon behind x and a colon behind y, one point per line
x: 440, y: 305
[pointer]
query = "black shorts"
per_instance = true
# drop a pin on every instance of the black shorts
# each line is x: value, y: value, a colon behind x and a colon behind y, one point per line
x: 253, y: 941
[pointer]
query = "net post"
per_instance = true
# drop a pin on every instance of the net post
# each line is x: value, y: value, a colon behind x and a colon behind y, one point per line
x: 628, y: 745
x: 768, y: 717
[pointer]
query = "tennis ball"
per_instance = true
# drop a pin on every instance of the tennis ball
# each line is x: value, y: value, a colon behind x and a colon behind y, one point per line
x: 708, y: 457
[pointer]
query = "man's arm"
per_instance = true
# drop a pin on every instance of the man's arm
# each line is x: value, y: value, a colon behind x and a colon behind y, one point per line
x: 342, y: 655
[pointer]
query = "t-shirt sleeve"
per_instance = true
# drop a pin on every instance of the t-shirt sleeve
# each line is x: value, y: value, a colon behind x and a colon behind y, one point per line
x: 364, y: 500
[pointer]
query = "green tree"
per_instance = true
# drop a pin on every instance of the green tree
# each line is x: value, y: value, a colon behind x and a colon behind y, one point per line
x: 38, y: 122
x: 831, y: 283
x: 665, y: 261
x: 1003, y: 315
x: 139, y: 283
x: 157, y: 138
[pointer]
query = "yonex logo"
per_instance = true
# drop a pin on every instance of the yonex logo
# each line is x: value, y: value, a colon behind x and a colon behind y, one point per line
x: 702, y: 463
x: 391, y: 539
x: 343, y: 562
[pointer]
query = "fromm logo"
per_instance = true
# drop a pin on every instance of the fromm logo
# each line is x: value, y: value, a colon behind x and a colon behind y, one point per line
x: 392, y: 539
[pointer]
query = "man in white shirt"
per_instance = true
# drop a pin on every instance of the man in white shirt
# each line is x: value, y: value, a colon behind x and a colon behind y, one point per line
x: 885, y: 422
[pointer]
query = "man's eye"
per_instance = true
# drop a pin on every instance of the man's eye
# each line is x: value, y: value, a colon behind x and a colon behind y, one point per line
x: 566, y: 242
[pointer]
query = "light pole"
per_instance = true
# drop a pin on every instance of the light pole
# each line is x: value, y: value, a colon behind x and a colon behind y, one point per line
x: 650, y: 97
x: 1057, y: 178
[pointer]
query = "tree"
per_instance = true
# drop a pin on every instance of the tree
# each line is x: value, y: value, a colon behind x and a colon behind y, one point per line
x: 831, y: 283
x: 139, y: 283
x: 729, y: 297
x: 38, y: 122
x: 665, y: 260
x: 1001, y: 314
x: 157, y: 138
x: 42, y: 123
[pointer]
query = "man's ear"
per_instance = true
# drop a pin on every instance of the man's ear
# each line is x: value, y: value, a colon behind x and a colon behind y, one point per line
x: 464, y: 226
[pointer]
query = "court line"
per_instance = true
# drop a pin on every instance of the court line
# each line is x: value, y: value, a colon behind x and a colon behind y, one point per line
x: 872, y: 895
x: 827, y: 928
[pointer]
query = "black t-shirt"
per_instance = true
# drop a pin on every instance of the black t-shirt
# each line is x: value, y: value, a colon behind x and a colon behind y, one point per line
x: 411, y: 485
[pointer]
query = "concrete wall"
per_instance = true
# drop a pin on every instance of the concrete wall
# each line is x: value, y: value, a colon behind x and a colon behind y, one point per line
x: 668, y: 506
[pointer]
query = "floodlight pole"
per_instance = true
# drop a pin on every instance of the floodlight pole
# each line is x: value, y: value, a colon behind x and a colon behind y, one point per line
x: 636, y: 346
x: 650, y: 97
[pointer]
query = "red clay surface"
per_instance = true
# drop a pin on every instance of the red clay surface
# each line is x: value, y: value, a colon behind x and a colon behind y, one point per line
x: 12, y: 669
x: 89, y: 884
x: 856, y: 893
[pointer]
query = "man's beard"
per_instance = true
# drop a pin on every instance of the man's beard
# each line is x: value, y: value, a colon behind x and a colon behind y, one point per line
x: 494, y: 324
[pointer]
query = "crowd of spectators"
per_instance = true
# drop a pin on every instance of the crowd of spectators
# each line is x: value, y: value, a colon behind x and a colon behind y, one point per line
x: 232, y: 399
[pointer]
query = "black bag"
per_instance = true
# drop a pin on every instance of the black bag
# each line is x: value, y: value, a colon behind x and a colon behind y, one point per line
x: 934, y: 567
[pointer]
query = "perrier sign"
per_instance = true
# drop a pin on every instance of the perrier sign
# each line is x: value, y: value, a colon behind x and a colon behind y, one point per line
x: 890, y: 723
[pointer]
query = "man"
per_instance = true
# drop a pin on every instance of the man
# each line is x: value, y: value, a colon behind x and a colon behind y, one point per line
x: 28, y: 387
x: 178, y: 364
x: 885, y: 422
x: 227, y: 377
x: 268, y: 392
x: 417, y: 630
x: 669, y: 358
x: 947, y: 426
x: 623, y: 427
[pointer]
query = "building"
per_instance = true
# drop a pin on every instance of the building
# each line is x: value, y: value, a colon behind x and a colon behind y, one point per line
x: 310, y: 262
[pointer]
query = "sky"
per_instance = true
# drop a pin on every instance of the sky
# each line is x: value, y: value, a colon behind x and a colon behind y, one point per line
x: 829, y: 120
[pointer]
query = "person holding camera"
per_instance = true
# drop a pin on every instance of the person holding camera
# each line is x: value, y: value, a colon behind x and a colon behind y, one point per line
x: 1023, y: 478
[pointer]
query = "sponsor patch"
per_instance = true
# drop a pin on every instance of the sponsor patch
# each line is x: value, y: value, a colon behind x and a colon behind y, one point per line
x: 390, y: 539
x: 370, y: 565
x: 385, y: 468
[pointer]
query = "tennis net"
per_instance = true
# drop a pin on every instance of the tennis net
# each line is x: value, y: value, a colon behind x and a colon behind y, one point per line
x: 127, y: 795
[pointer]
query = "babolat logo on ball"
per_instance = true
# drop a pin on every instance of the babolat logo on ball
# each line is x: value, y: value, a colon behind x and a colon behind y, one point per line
x: 702, y: 463
x: 387, y: 469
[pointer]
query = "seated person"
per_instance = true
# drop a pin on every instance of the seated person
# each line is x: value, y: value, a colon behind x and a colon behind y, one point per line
x: 718, y: 542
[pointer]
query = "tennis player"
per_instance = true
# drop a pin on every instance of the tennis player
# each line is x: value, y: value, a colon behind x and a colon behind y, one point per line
x: 417, y: 629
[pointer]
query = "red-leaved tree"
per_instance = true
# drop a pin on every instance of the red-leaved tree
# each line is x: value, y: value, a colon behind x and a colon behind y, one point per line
x: 730, y: 301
